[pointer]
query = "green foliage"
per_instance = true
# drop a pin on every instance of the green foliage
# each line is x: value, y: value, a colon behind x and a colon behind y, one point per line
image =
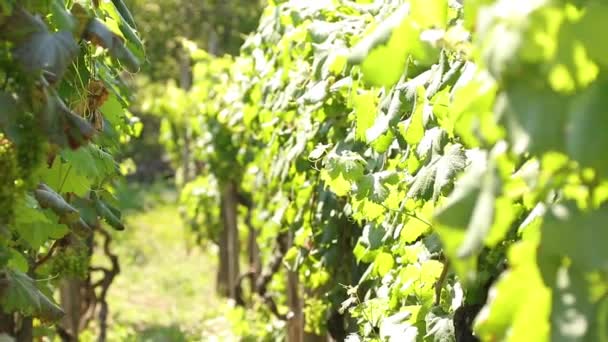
x: 430, y: 159
x: 57, y: 142
x: 21, y: 295
x: 216, y: 24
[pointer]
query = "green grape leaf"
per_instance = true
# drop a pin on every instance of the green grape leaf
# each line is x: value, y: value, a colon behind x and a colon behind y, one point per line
x: 431, y: 179
x: 568, y: 233
x: 587, y: 126
x: 365, y: 111
x: 98, y: 33
x: 372, y: 236
x: 60, y: 176
x: 43, y: 50
x: 430, y: 13
x: 111, y: 215
x: 316, y: 93
x: 535, y: 117
x: 575, y: 313
x: 383, y: 54
x: 34, y: 226
x: 48, y: 198
x: 520, y: 304
x: 440, y: 328
x: 380, y: 127
x: 506, y: 213
x: 364, y: 254
x: 431, y: 143
x: 471, y: 115
x: 17, y: 261
x: 383, y: 263
x: 20, y: 294
x: 90, y: 161
x: 382, y: 34
x: 415, y: 127
x: 398, y: 327
x: 61, y: 17
x: 470, y: 207
x: 594, y: 18
x: 341, y: 171
x: 114, y: 111
x: 417, y: 224
x: 374, y: 186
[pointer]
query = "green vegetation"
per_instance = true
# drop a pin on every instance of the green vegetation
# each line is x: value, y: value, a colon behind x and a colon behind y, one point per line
x: 399, y: 170
x: 63, y: 117
x: 403, y: 160
x: 166, y: 288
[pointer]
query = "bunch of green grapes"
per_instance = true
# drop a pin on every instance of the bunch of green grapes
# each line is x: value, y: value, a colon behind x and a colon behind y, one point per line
x: 70, y: 262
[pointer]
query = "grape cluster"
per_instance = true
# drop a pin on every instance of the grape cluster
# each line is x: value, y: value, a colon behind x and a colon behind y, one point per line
x: 70, y: 262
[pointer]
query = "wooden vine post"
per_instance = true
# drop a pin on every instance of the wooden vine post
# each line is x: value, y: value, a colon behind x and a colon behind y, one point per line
x: 295, y: 323
x: 229, y: 250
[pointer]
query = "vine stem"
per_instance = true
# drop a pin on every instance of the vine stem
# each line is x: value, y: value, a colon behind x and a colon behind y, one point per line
x: 441, y: 280
x: 47, y: 256
x: 408, y: 214
x: 65, y: 178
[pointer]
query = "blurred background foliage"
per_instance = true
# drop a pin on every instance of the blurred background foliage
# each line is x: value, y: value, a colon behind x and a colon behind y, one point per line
x: 219, y: 26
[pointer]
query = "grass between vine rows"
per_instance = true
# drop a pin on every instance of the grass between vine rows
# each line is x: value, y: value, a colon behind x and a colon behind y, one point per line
x: 166, y: 288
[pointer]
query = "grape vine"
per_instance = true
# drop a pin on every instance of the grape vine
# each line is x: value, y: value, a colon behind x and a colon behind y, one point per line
x: 63, y: 117
x: 436, y: 166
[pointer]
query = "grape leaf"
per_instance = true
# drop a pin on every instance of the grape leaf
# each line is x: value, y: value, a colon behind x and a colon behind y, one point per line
x: 568, y: 233
x: 62, y: 178
x: 383, y: 54
x: 535, y: 117
x: 33, y: 225
x: 383, y: 263
x: 99, y: 34
x: 20, y: 294
x: 42, y: 49
x: 431, y: 179
x: 90, y: 161
x: 587, y: 127
x: 586, y: 29
x: 574, y: 313
x: 365, y: 110
x: 48, y: 198
x: 372, y: 235
x: 374, y: 186
x: 415, y: 127
x: 440, y: 328
x: 519, y: 306
x: 397, y: 327
x: 341, y: 171
x: 470, y: 207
